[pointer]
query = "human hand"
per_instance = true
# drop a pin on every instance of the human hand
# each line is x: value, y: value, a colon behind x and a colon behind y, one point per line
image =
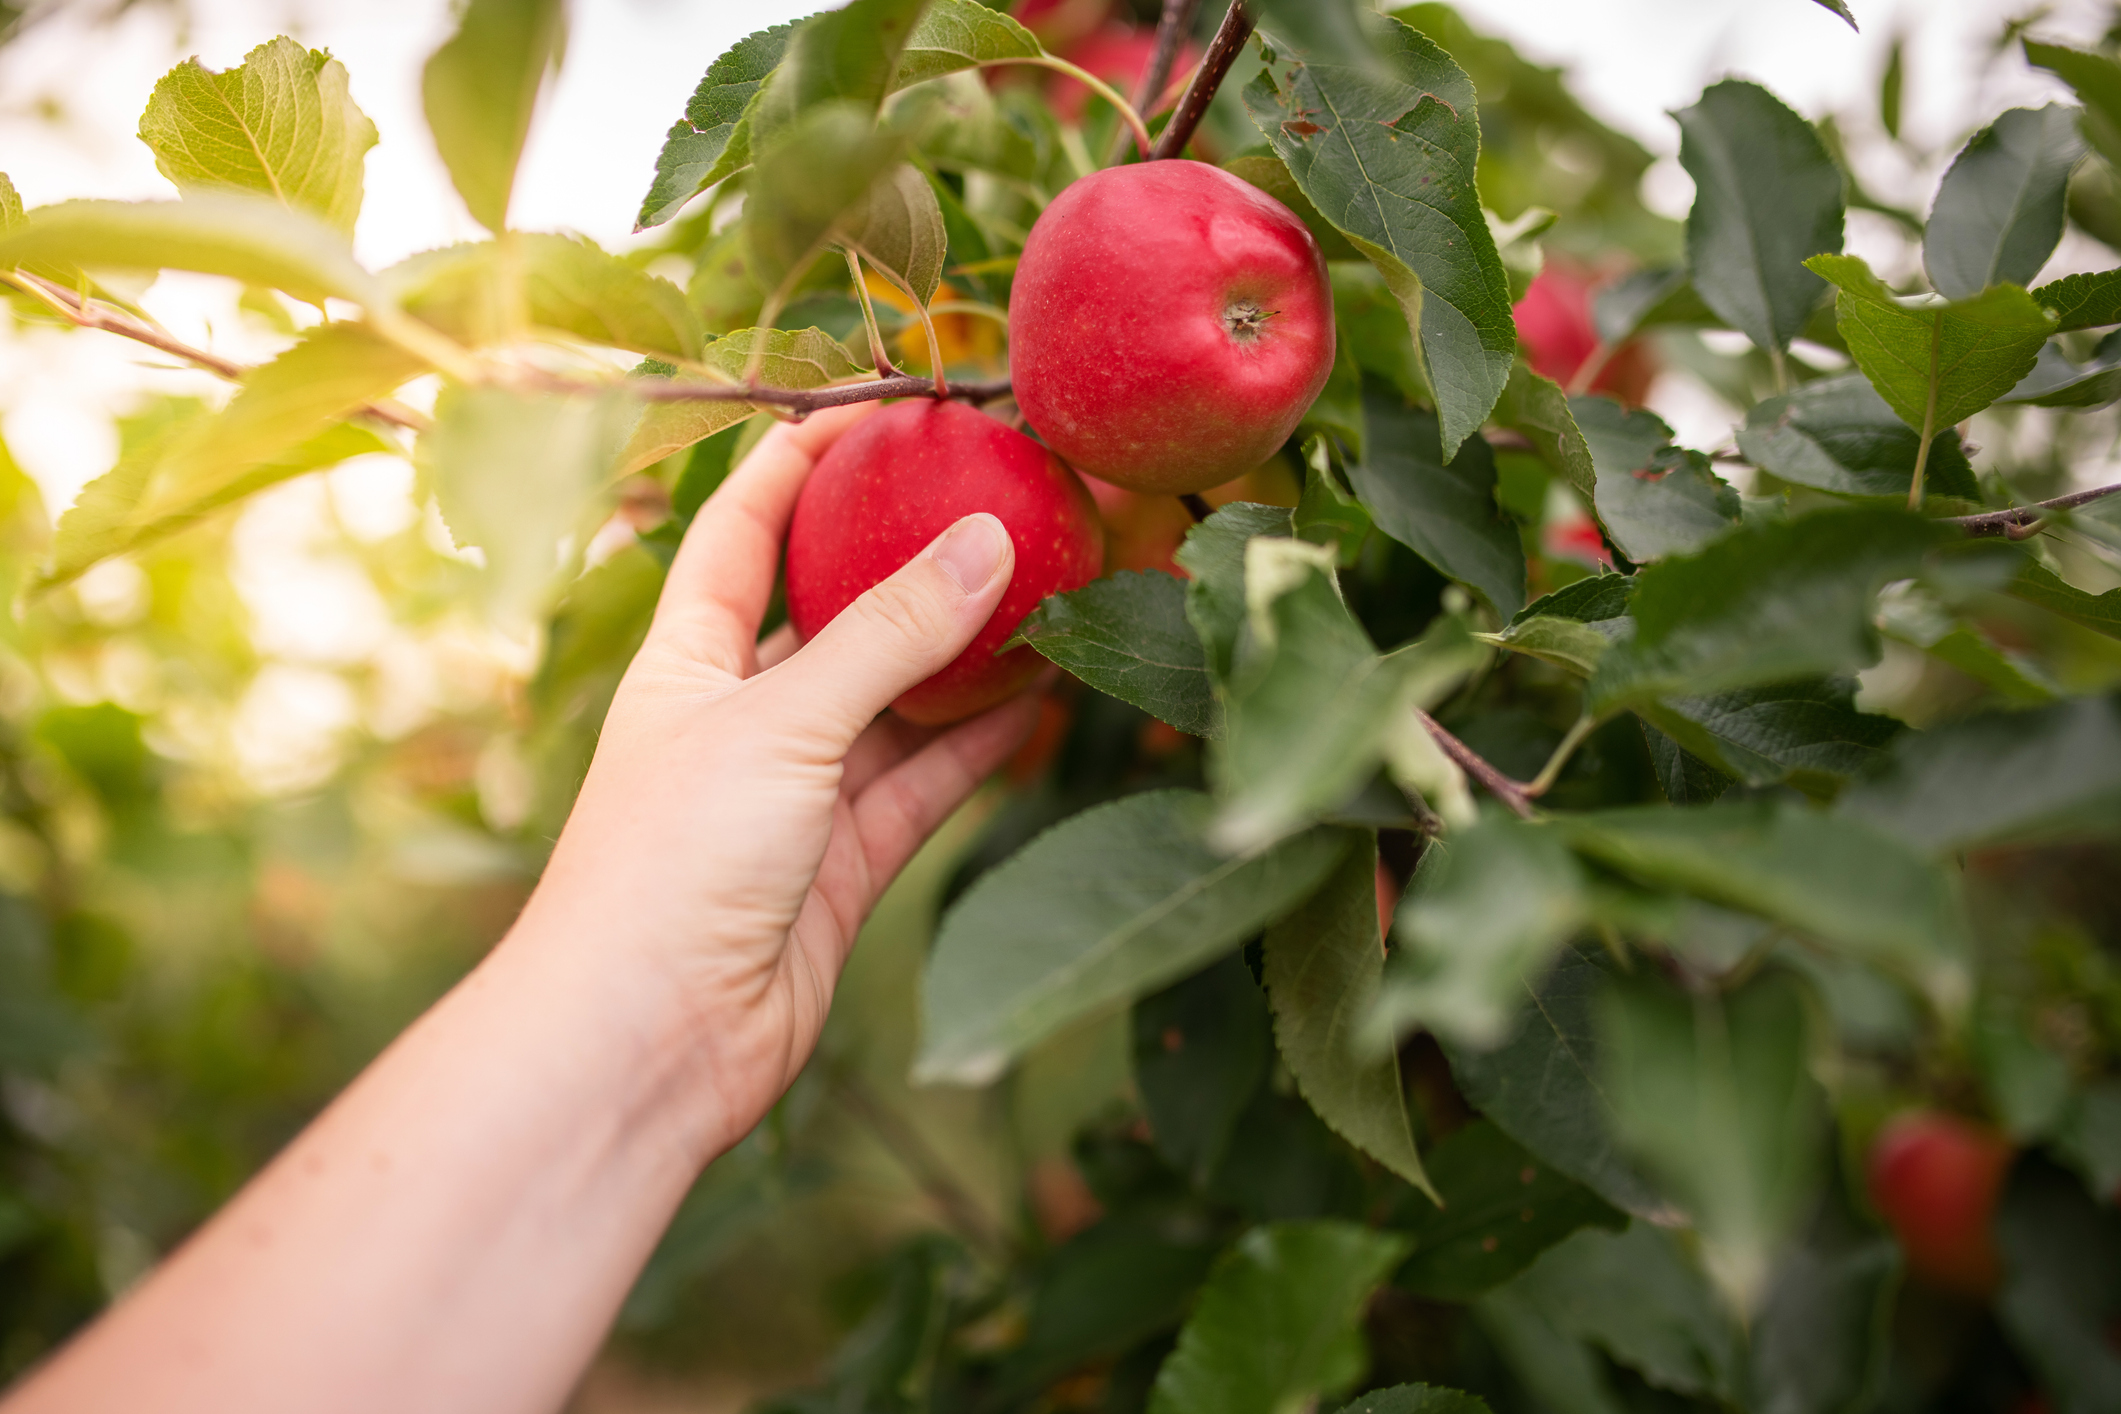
x: 748, y: 804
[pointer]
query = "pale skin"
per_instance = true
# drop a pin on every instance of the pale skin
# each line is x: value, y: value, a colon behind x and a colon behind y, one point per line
x: 456, y: 1232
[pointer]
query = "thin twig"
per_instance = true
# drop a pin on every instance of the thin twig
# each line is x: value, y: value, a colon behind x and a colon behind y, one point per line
x: 924, y: 1164
x: 1223, y: 50
x: 1171, y: 32
x: 796, y: 400
x: 1504, y: 789
x: 1543, y: 782
x: 83, y: 313
x: 2014, y: 522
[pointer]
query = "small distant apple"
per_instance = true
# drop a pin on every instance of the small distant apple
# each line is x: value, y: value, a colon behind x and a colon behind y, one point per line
x: 1061, y: 24
x: 1169, y: 326
x: 904, y: 476
x: 1118, y: 54
x: 1936, y: 1179
x: 1554, y: 326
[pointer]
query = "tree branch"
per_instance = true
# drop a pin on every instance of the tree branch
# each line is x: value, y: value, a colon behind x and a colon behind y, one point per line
x: 1993, y: 523
x: 1171, y: 32
x: 1223, y: 50
x: 1504, y: 789
x: 800, y: 401
x: 83, y: 313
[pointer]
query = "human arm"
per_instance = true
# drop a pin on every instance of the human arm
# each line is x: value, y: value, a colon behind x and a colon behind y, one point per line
x: 458, y: 1229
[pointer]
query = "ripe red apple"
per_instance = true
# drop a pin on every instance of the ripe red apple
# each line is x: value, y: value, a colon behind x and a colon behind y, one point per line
x: 1118, y: 54
x: 1169, y: 325
x: 1554, y: 326
x: 904, y: 476
x: 1935, y: 1179
x: 1060, y: 24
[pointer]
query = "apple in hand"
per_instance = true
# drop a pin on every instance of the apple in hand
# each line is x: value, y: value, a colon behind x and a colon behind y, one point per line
x: 1554, y: 324
x: 902, y: 477
x: 1935, y: 1179
x: 1169, y: 326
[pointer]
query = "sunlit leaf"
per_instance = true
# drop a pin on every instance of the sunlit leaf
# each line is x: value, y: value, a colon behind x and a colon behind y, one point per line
x: 960, y: 34
x: 480, y: 91
x: 813, y: 172
x: 1106, y: 907
x: 1999, y: 214
x: 481, y: 293
x: 2082, y: 301
x: 1766, y: 195
x: 1386, y: 154
x: 1277, y: 1323
x: 705, y: 145
x: 10, y: 204
x: 792, y: 358
x: 281, y: 124
x: 897, y: 226
x: 1321, y: 967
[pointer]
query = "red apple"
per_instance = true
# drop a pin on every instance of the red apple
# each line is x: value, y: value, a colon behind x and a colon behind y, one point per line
x: 903, y: 477
x: 1935, y: 1179
x: 1118, y: 54
x: 1060, y: 24
x: 1169, y: 325
x: 1554, y: 326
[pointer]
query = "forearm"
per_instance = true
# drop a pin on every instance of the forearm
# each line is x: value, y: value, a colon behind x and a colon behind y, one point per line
x: 453, y: 1234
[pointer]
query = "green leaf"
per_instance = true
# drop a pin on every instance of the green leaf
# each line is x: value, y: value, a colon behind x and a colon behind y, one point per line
x: 10, y: 204
x: 1543, y: 1088
x: 1325, y: 513
x: 516, y: 475
x: 1658, y: 295
x: 1838, y: 435
x: 1936, y: 362
x: 2062, y: 1285
x: 1769, y: 602
x: 2097, y: 80
x: 1321, y: 966
x: 1107, y: 906
x: 1214, y: 556
x: 1766, y: 196
x: 1634, y: 1295
x: 1311, y: 709
x: 1416, y: 1399
x: 1712, y: 1094
x: 480, y: 293
x: 794, y: 358
x: 1484, y: 917
x: 961, y: 34
x: 2082, y: 301
x: 2056, y: 382
x: 1130, y: 1277
x: 1388, y: 158
x: 2053, y: 773
x: 1501, y: 1209
x: 480, y: 91
x: 1278, y: 1322
x: 1823, y: 1336
x: 110, y: 518
x: 810, y: 175
x: 1566, y: 643
x: 2036, y: 584
x: 1831, y: 877
x: 1655, y: 499
x: 897, y: 226
x: 249, y: 238
x: 703, y: 147
x: 1999, y: 214
x: 1201, y: 1048
x: 1444, y: 512
x: 846, y: 55
x: 1270, y: 174
x: 281, y: 124
x: 1601, y: 599
x: 1127, y: 635
x: 1538, y: 408
x: 1839, y: 7
x: 1807, y: 732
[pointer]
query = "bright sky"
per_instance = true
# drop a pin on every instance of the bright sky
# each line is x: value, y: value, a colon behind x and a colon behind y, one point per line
x: 71, y: 95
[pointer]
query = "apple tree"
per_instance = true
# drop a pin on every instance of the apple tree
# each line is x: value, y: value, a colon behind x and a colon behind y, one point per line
x: 1547, y: 976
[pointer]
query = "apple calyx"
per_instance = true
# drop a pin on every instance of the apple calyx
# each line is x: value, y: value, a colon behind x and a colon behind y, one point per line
x: 1245, y: 321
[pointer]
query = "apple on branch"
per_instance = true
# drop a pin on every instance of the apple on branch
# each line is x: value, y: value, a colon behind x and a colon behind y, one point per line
x: 903, y: 477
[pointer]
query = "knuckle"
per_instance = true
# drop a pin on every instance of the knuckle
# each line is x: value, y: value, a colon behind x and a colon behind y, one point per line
x: 906, y: 611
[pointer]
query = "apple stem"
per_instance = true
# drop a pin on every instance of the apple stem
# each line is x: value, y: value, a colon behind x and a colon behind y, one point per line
x: 1223, y: 50
x: 882, y: 360
x: 935, y: 349
x: 1199, y: 509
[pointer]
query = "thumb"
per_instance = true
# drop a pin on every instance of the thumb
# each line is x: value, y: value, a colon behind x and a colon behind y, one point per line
x: 900, y: 633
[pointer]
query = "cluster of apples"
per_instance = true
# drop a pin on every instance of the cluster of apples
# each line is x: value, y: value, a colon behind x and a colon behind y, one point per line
x: 1169, y: 326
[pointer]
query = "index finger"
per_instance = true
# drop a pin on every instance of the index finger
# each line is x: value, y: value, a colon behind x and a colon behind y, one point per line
x: 722, y: 577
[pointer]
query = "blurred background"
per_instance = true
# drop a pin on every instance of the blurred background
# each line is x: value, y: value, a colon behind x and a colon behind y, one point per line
x: 273, y: 785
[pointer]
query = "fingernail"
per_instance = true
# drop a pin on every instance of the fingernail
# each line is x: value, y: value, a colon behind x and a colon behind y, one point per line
x: 971, y: 551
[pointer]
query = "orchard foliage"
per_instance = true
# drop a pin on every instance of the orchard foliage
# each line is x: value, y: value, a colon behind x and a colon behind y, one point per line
x: 1467, y: 919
